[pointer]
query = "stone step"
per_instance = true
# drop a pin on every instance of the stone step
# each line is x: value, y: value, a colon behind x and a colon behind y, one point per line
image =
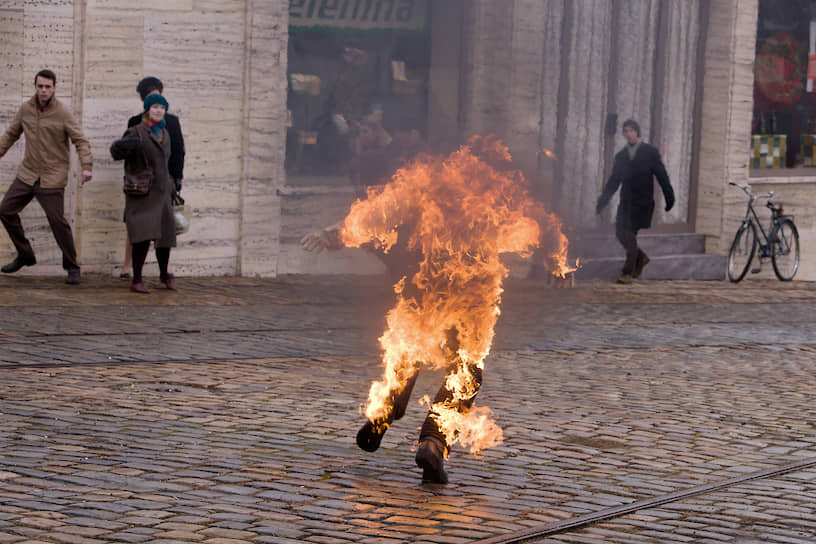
x: 660, y: 267
x: 655, y: 245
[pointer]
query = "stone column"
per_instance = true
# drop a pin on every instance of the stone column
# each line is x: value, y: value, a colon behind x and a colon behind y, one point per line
x: 676, y: 94
x: 582, y: 109
x: 527, y: 53
x: 549, y: 85
x: 487, y: 67
x: 631, y: 79
x: 264, y: 136
x: 725, y: 123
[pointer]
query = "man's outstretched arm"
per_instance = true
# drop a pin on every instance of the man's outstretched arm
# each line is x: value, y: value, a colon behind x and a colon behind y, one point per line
x: 324, y: 239
x: 12, y: 133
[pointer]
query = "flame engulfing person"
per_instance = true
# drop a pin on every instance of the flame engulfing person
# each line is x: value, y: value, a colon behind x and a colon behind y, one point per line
x: 455, y: 215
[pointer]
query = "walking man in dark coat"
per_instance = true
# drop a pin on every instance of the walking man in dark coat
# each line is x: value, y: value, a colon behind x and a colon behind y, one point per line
x: 635, y: 166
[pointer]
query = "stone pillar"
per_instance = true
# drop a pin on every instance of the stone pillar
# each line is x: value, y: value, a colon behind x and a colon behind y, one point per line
x: 264, y: 136
x: 676, y: 93
x: 550, y: 77
x: 582, y: 109
x: 444, y: 77
x: 631, y: 80
x: 725, y: 121
x: 527, y: 53
x: 487, y: 68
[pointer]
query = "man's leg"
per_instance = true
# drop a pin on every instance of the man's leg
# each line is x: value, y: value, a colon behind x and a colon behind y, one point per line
x: 433, y: 445
x: 17, y: 197
x: 127, y: 264
x: 370, y: 434
x: 138, y: 256
x: 53, y: 203
x: 628, y: 239
x: 642, y: 261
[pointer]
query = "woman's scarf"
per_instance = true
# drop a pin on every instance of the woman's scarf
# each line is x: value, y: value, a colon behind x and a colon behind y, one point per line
x: 155, y: 128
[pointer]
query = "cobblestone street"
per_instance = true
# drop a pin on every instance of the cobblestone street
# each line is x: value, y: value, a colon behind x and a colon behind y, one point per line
x: 226, y: 413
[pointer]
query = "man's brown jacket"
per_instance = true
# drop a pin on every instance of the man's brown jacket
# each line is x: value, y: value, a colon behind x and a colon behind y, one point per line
x: 47, y: 147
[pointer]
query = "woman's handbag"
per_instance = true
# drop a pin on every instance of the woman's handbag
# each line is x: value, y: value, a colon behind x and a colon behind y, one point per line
x: 181, y: 213
x: 137, y: 181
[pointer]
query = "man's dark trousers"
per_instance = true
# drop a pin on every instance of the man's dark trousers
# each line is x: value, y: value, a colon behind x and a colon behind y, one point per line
x: 627, y: 236
x: 52, y: 201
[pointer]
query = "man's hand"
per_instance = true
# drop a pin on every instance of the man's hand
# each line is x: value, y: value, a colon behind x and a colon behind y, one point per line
x: 599, y: 206
x: 86, y: 176
x: 669, y: 204
x: 316, y: 241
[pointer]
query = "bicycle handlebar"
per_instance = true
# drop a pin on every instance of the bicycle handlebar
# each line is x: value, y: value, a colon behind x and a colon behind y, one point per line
x: 747, y: 190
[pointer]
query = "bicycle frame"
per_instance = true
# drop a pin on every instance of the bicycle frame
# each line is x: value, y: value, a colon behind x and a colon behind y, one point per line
x: 777, y: 243
x: 751, y: 216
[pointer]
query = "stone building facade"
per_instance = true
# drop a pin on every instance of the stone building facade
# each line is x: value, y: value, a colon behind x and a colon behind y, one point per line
x: 555, y: 76
x: 223, y: 64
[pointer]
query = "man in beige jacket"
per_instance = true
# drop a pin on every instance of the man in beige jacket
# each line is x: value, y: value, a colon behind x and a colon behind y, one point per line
x: 47, y: 124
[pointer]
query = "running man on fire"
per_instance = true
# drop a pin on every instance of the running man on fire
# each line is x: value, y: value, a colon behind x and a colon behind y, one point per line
x: 451, y: 217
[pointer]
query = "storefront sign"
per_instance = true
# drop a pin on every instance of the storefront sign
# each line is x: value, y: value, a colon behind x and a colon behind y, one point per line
x: 359, y: 14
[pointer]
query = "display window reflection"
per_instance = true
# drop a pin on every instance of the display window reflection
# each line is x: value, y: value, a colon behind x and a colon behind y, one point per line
x: 357, y: 71
x: 783, y: 128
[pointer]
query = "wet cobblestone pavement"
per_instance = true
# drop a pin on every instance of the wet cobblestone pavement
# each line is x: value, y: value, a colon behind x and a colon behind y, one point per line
x: 226, y: 413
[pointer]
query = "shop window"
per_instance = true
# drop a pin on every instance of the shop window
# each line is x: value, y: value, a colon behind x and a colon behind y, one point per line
x: 783, y: 133
x: 358, y: 71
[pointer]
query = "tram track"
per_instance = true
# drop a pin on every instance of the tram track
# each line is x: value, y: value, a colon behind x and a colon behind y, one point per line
x: 579, y: 522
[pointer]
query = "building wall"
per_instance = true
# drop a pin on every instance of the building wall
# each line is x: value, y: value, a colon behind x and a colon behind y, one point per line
x: 546, y: 74
x: 223, y: 64
x: 727, y: 109
x: 543, y: 74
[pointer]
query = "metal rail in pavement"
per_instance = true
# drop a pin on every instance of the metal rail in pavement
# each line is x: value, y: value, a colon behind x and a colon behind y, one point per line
x: 617, y: 511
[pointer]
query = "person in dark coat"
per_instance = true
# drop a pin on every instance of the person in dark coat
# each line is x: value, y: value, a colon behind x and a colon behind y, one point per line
x: 633, y: 171
x: 149, y: 217
x: 147, y: 86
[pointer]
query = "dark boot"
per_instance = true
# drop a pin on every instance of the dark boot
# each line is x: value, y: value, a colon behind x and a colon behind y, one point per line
x: 642, y: 261
x: 18, y: 263
x: 430, y: 457
x: 369, y: 436
x: 73, y: 277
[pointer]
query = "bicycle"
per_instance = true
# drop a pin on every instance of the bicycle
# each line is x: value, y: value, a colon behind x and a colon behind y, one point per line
x: 781, y: 244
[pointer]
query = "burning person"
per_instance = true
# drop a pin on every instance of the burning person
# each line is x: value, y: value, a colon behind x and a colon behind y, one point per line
x: 444, y: 222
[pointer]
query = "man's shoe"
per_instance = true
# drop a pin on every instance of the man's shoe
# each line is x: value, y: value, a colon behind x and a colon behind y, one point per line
x: 18, y: 263
x: 430, y: 457
x: 73, y: 277
x: 625, y: 278
x: 369, y: 436
x: 139, y: 287
x: 642, y: 261
x: 169, y: 282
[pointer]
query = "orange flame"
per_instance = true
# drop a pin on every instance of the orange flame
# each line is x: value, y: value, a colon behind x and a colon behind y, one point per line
x: 549, y: 153
x: 459, y: 213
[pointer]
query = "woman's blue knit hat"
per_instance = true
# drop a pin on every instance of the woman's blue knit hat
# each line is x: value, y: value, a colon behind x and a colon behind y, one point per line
x: 155, y: 99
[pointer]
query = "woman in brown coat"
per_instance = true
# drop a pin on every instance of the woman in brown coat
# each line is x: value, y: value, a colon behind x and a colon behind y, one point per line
x: 149, y: 217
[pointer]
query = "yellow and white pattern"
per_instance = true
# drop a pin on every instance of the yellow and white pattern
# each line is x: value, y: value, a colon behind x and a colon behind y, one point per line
x: 768, y: 150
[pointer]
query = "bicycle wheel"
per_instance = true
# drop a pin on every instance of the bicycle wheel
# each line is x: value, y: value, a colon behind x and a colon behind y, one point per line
x: 785, y: 251
x: 742, y: 251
